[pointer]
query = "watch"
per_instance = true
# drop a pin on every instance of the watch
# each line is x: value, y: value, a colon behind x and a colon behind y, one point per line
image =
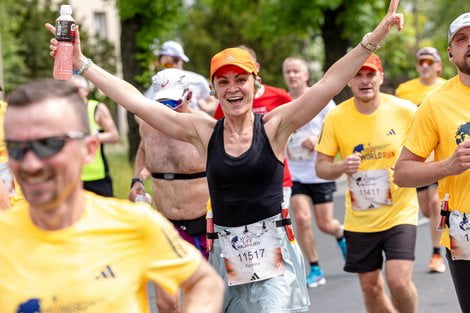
x: 135, y: 180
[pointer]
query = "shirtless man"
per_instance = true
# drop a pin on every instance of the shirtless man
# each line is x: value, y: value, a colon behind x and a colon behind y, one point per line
x: 179, y: 180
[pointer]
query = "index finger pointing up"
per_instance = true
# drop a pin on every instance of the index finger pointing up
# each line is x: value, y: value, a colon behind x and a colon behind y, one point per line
x: 392, y: 9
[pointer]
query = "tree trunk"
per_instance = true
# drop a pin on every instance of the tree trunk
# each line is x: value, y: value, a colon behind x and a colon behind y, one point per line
x: 335, y: 45
x: 131, y: 69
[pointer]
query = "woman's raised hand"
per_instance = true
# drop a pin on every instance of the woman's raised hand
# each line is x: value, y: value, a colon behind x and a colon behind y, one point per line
x: 78, y: 59
x: 392, y: 18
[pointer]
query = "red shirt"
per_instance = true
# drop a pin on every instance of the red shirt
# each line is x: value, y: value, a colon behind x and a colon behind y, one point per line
x: 270, y: 99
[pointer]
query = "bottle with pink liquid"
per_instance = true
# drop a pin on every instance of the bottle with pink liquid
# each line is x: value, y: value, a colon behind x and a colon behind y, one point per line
x: 65, y: 34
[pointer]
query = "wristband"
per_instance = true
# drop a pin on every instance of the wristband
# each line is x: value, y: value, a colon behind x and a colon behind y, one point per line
x: 135, y: 180
x: 367, y: 45
x: 85, y: 67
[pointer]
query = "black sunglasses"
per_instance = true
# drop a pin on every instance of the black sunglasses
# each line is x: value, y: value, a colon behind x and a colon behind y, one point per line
x: 42, y: 147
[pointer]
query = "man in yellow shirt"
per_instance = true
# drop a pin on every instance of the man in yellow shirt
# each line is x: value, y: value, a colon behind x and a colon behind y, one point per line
x: 428, y: 66
x: 442, y: 125
x: 96, y: 254
x: 367, y: 131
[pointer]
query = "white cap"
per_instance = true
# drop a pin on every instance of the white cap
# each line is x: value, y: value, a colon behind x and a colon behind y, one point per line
x: 169, y: 84
x: 173, y: 49
x: 65, y: 9
x: 460, y: 22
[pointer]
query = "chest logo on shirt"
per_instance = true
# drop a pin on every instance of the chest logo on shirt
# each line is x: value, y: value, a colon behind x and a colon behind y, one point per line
x: 463, y: 133
x: 30, y: 306
x: 369, y: 152
x: 35, y: 305
x: 106, y: 273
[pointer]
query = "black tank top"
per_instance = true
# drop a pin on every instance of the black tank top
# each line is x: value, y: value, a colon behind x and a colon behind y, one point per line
x: 244, y: 189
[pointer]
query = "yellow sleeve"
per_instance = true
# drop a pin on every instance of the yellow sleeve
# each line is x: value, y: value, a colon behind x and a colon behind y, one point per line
x: 327, y: 143
x: 170, y: 259
x: 421, y: 137
x: 399, y: 90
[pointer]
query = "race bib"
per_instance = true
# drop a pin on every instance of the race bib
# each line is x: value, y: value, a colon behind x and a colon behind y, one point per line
x: 251, y: 253
x: 295, y: 150
x: 369, y: 190
x: 459, y: 233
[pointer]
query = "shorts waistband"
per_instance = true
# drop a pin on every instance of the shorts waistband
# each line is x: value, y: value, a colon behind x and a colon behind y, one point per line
x: 192, y: 227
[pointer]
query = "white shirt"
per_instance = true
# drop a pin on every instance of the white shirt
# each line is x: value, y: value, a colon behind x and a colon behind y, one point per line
x: 302, y: 161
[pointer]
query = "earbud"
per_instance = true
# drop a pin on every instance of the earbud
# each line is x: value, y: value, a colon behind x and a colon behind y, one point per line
x: 257, y: 84
x: 450, y: 55
x: 212, y: 92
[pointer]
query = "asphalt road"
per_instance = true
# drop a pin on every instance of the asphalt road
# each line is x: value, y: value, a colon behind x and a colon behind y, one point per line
x: 342, y: 291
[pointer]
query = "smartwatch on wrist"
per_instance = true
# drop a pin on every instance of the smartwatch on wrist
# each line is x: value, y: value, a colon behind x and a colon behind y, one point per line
x: 135, y: 180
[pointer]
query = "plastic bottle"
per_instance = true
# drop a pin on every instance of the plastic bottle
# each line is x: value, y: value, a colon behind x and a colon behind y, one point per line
x: 143, y: 198
x: 65, y: 34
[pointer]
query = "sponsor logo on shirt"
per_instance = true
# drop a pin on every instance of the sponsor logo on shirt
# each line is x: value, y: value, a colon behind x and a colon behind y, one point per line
x: 374, y: 152
x: 463, y: 133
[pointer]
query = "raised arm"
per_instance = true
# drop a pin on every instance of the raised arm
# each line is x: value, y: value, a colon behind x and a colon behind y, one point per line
x: 335, y: 79
x: 177, y: 125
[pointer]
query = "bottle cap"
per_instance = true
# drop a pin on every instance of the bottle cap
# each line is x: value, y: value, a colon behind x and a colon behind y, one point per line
x: 65, y: 9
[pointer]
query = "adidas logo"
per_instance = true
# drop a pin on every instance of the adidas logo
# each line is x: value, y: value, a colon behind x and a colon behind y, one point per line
x: 254, y: 277
x: 391, y: 132
x: 106, y: 273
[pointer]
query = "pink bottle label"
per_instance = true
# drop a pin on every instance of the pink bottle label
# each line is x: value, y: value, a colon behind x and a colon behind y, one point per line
x: 63, y: 61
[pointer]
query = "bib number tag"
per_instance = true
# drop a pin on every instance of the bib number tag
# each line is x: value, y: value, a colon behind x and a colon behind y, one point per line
x: 251, y: 253
x: 459, y: 233
x: 369, y: 190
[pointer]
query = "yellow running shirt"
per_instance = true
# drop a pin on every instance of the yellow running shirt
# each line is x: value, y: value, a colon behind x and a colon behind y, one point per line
x: 415, y: 91
x: 100, y: 264
x: 378, y: 138
x: 442, y: 122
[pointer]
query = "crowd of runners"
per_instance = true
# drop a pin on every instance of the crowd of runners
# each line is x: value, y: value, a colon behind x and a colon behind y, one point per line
x: 234, y: 163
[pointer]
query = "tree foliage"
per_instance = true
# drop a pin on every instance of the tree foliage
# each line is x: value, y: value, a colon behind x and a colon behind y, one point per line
x: 141, y: 22
x: 215, y: 25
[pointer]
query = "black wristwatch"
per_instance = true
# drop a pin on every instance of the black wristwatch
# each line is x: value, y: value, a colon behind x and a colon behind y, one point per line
x: 135, y: 180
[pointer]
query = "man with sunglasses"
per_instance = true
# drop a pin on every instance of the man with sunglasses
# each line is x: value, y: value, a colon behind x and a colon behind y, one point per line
x: 97, y: 254
x: 178, y: 172
x: 429, y: 67
x: 171, y: 55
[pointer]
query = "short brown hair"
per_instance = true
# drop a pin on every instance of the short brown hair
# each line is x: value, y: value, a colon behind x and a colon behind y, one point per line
x: 39, y: 90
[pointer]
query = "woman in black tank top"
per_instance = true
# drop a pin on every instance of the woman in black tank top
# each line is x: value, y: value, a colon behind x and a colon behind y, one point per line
x: 243, y: 153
